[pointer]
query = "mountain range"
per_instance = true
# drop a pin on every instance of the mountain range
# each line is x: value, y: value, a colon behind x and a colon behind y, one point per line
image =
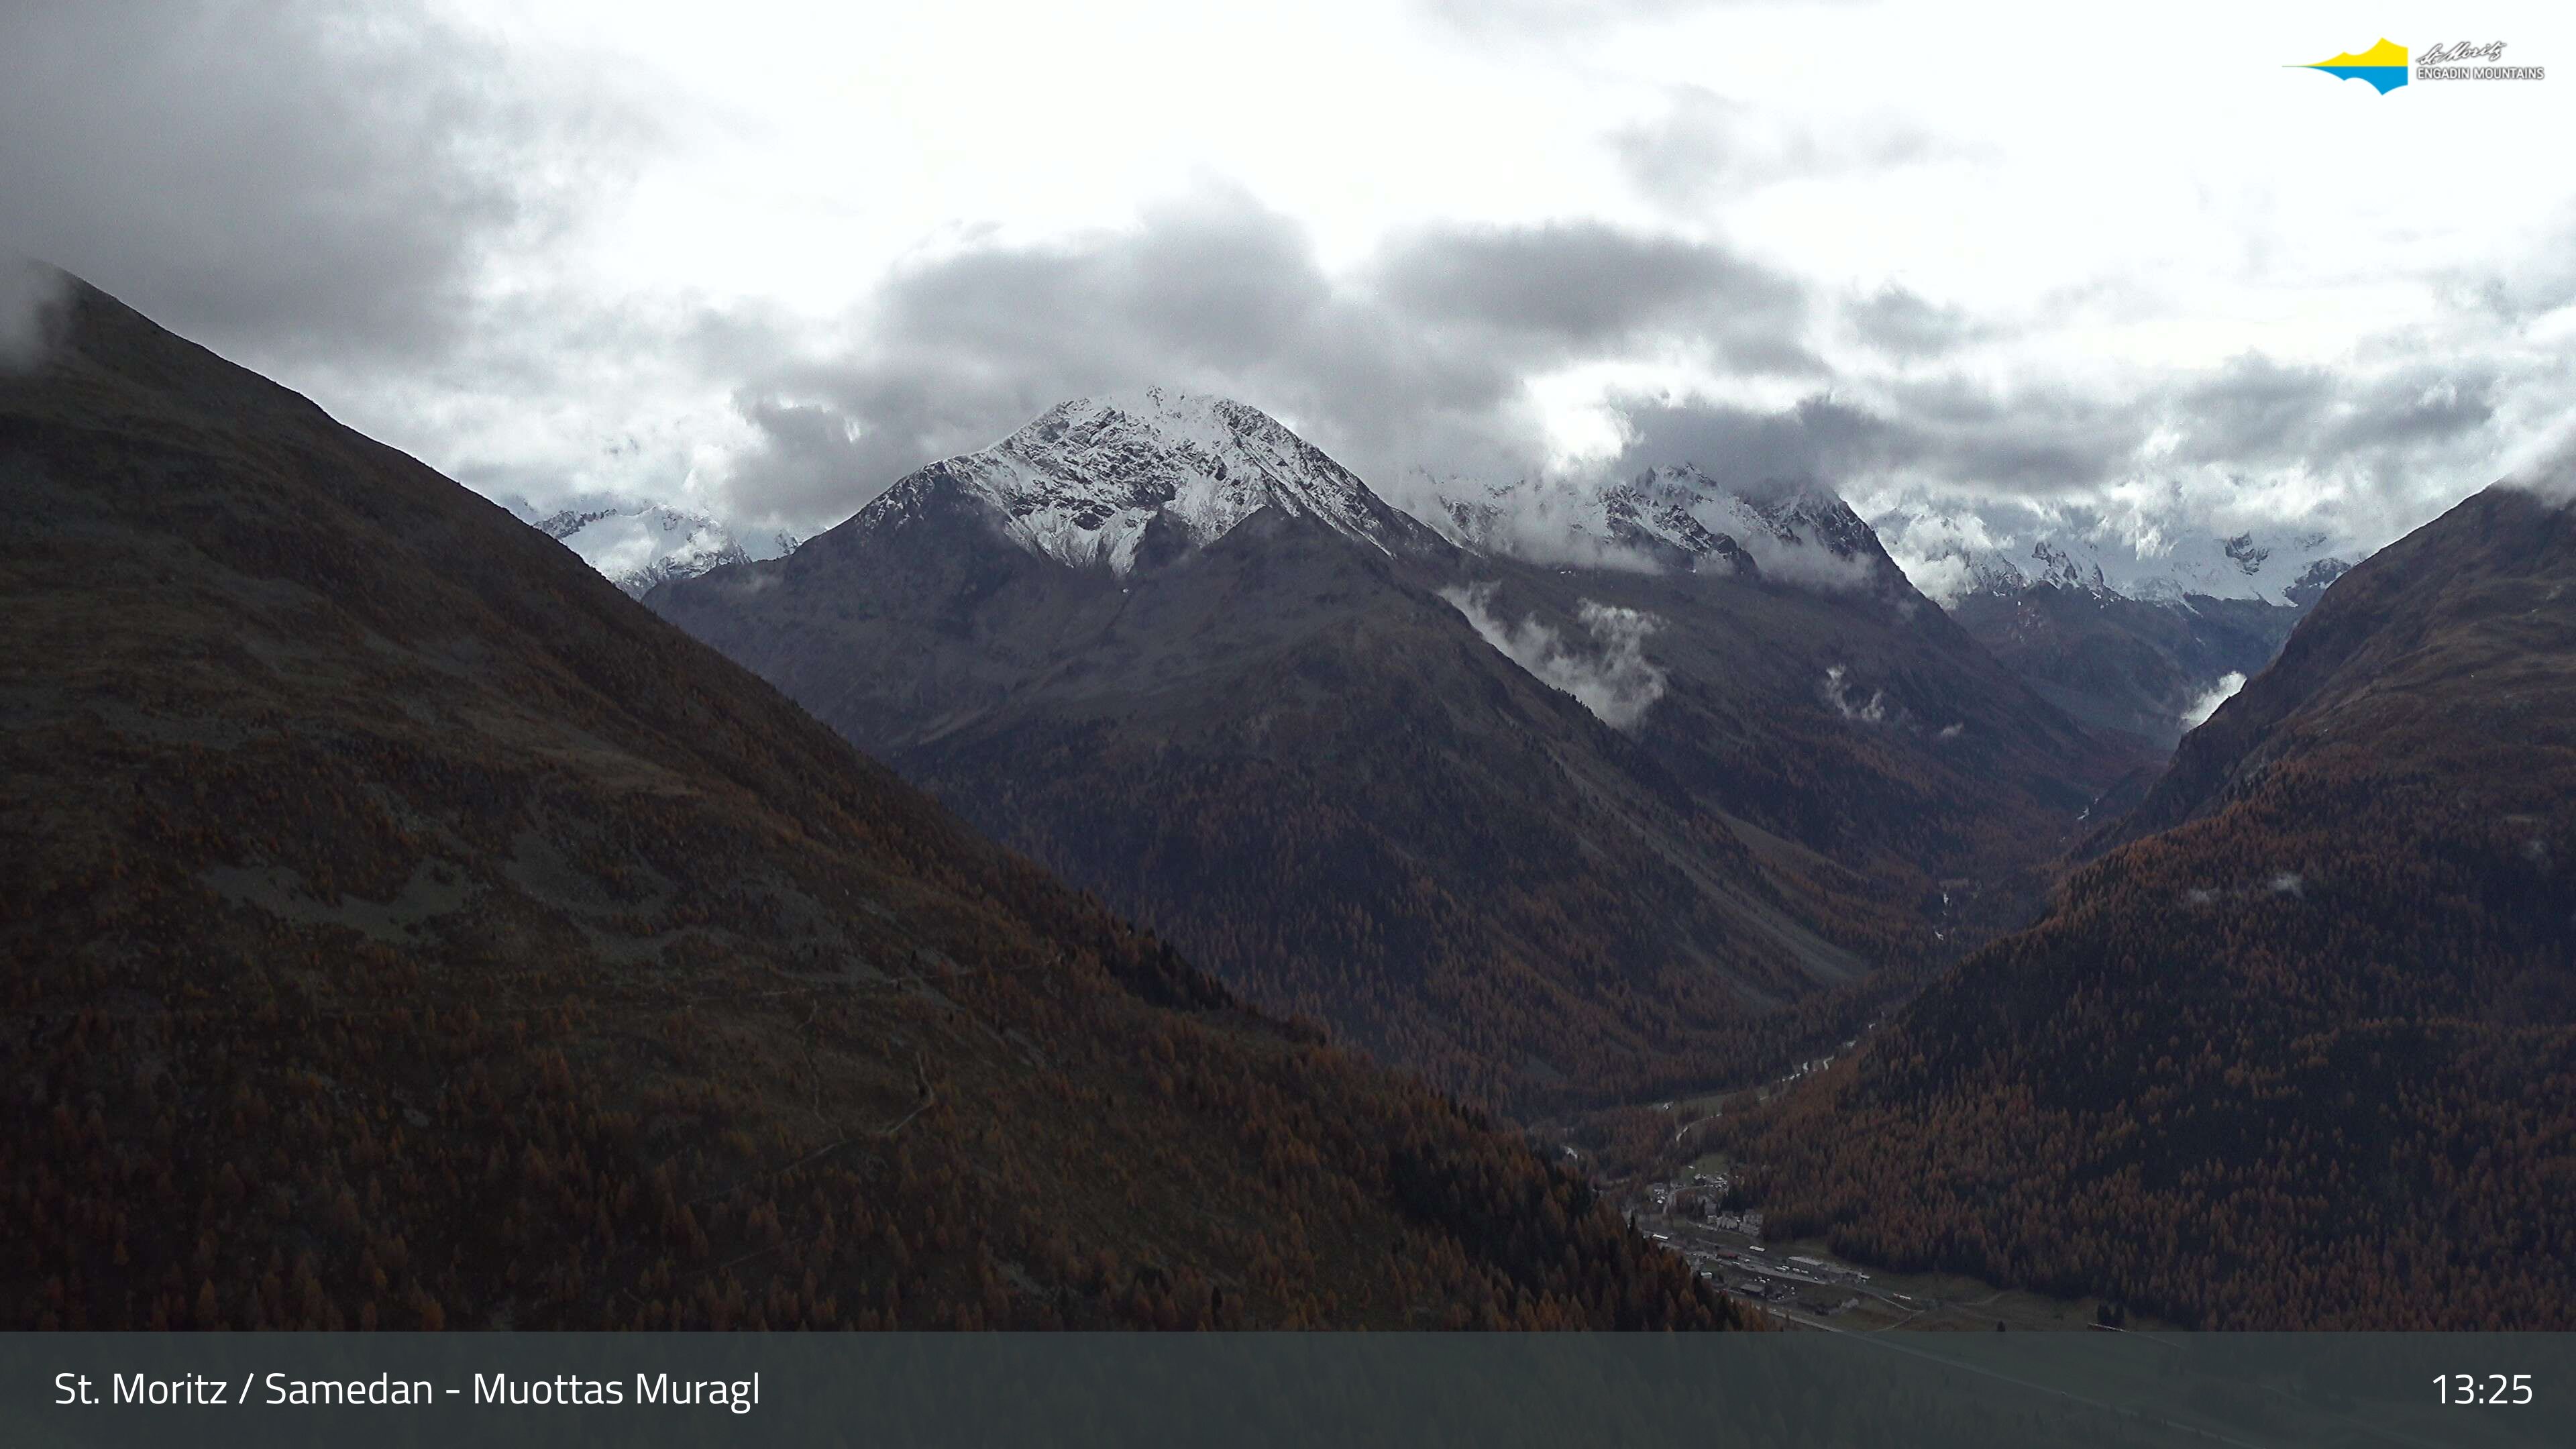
x: 2140, y: 636
x: 1954, y: 556
x: 1546, y: 831
x: 2298, y: 1047
x: 408, y: 930
x: 636, y: 543
x: 412, y: 929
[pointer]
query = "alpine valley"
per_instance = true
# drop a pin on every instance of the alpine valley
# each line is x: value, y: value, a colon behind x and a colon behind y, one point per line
x: 1136, y: 875
x: 1659, y: 812
x: 2298, y: 1048
x: 406, y: 929
x: 2143, y: 637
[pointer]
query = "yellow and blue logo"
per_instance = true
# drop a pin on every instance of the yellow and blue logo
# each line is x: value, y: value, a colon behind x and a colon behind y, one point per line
x: 2383, y: 65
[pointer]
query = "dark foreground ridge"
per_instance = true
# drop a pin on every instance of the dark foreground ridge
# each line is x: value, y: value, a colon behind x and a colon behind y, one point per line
x: 406, y: 929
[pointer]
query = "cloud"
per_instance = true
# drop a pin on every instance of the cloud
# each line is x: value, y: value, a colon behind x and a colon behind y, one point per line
x: 2549, y: 470
x: 2538, y: 283
x: 1617, y: 683
x: 1420, y: 354
x: 2255, y: 410
x: 1551, y: 19
x: 1565, y: 521
x: 1552, y: 521
x: 809, y: 449
x: 425, y: 221
x: 315, y: 179
x: 1555, y: 22
x: 2200, y: 709
x: 1743, y: 447
x: 1897, y: 322
x: 2364, y: 452
x: 1807, y: 564
x: 1705, y: 146
x: 952, y: 351
x: 1586, y: 284
x: 1838, y: 692
x: 1934, y: 549
x: 29, y: 293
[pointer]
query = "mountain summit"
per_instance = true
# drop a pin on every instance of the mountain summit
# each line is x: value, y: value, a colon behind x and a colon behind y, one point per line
x: 1548, y: 834
x: 637, y: 543
x: 2140, y: 633
x: 1957, y: 557
x: 1674, y: 518
x: 1115, y: 481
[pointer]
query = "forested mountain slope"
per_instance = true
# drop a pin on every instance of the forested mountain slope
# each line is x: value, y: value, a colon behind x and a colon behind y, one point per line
x: 2301, y: 1050
x: 406, y: 929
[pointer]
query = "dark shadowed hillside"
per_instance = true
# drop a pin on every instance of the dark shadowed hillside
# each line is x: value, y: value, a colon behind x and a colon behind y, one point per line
x: 2300, y: 1051
x: 406, y: 929
x: 2134, y: 665
x: 1856, y: 737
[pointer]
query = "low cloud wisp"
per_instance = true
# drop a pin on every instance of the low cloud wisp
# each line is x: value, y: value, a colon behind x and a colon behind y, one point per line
x: 2209, y: 701
x: 29, y: 292
x: 1616, y: 681
x: 1839, y: 693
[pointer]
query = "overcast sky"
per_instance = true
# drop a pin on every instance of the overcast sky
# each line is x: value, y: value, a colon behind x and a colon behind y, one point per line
x: 766, y: 258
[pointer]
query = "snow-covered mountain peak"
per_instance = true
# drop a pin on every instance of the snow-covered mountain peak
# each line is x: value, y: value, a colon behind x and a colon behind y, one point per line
x: 1674, y: 518
x: 637, y: 543
x: 1951, y: 557
x: 1796, y: 512
x: 2063, y: 570
x: 1085, y: 481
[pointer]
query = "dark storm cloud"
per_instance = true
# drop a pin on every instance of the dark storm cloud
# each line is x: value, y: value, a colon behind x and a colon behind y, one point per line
x: 2031, y: 439
x: 1897, y: 322
x: 951, y: 353
x: 2383, y: 432
x: 1745, y: 447
x: 805, y: 451
x: 2254, y: 408
x: 2415, y: 407
x: 1421, y: 355
x: 1586, y: 284
x: 1222, y: 283
x: 2255, y: 411
x: 289, y: 179
x: 2027, y: 442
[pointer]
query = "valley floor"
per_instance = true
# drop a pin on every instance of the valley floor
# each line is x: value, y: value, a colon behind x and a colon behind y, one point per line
x: 1679, y: 1197
x: 1799, y: 1281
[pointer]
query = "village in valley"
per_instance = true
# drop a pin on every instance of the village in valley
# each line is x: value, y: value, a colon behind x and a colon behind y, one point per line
x: 1698, y: 1213
x: 1698, y: 1219
x: 1693, y: 1205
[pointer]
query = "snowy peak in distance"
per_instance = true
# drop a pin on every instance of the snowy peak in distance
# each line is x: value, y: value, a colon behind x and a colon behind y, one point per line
x: 1950, y: 559
x: 1671, y: 519
x: 1110, y: 481
x: 1993, y: 573
x: 636, y: 544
